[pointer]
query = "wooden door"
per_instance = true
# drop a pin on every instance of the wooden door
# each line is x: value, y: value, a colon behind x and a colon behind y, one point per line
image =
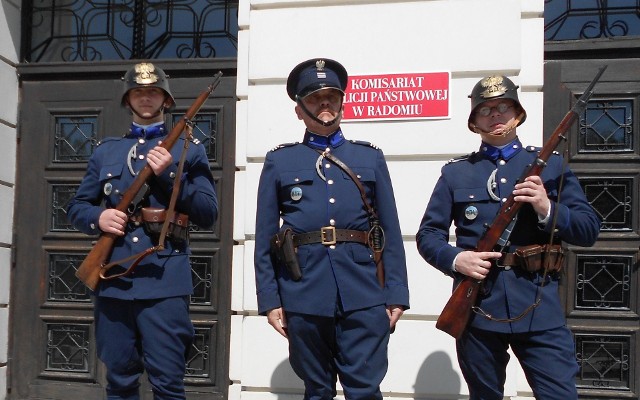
x: 601, y: 284
x: 64, y: 113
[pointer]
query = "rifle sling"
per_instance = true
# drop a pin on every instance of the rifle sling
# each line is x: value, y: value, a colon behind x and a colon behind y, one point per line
x: 165, y: 225
x: 176, y: 184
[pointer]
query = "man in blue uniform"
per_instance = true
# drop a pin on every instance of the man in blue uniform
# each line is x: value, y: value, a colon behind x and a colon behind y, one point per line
x: 142, y: 319
x: 469, y: 193
x: 316, y: 280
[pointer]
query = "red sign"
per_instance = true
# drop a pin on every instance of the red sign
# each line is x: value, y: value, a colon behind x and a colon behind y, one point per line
x: 397, y: 96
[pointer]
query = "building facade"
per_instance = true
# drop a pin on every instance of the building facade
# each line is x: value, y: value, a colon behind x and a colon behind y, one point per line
x: 9, y: 56
x: 58, y: 103
x: 377, y: 38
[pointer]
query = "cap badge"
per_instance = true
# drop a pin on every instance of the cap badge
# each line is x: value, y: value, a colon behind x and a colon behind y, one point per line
x: 320, y: 69
x: 146, y: 74
x: 493, y: 86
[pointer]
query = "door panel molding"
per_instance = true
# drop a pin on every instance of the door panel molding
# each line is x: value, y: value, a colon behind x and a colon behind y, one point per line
x: 601, y: 284
x: 52, y: 336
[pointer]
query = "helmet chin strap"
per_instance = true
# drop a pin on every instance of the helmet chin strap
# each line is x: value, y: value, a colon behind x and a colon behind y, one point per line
x: 315, y: 118
x: 503, y: 131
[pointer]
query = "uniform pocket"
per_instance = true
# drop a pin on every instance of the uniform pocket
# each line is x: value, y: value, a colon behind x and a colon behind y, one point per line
x: 111, y: 171
x: 364, y: 174
x: 110, y: 177
x: 294, y: 187
x: 468, y: 203
x: 367, y: 178
x: 361, y: 254
x: 470, y: 195
x: 302, y: 177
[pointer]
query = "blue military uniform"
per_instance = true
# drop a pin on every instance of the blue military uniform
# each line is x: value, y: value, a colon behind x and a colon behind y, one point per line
x: 466, y: 196
x: 346, y: 270
x: 332, y: 308
x: 150, y: 306
x: 308, y: 192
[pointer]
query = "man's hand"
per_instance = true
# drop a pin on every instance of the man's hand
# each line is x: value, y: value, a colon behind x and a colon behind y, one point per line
x: 277, y: 319
x: 532, y: 191
x: 112, y: 221
x: 159, y: 159
x: 475, y: 264
x: 394, y: 312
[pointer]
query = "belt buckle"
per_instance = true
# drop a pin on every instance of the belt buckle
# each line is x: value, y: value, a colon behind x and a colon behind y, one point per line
x: 328, y: 232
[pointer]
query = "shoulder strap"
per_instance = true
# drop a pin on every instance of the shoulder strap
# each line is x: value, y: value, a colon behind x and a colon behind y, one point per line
x: 353, y: 177
x: 375, y: 236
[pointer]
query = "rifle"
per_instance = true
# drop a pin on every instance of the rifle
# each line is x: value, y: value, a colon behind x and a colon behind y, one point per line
x: 457, y: 312
x: 92, y: 266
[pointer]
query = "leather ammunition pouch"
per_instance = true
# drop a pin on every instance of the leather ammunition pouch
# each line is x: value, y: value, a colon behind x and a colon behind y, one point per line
x: 153, y: 218
x: 533, y: 258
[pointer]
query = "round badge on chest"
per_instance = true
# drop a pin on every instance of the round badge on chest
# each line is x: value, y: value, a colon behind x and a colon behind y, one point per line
x: 471, y: 212
x: 296, y: 193
x: 108, y: 188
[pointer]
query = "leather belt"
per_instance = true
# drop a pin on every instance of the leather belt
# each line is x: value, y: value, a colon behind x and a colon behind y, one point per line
x: 157, y: 215
x: 533, y: 258
x: 508, y: 260
x: 329, y: 235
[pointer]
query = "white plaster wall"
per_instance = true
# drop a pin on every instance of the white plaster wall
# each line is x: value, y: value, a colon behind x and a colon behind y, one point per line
x: 469, y: 38
x: 9, y: 46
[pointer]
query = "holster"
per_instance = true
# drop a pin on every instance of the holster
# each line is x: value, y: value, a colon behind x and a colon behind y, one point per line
x: 536, y: 257
x: 153, y: 218
x: 285, y: 252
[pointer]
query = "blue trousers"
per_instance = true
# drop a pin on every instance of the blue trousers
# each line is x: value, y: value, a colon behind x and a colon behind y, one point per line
x: 547, y: 358
x: 137, y: 335
x: 351, y: 346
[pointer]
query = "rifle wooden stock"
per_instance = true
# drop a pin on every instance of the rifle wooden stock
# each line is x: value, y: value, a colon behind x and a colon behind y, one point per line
x: 456, y: 313
x: 89, y: 270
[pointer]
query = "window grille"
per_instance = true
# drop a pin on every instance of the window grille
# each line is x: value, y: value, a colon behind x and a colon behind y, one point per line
x: 590, y: 19
x: 98, y: 30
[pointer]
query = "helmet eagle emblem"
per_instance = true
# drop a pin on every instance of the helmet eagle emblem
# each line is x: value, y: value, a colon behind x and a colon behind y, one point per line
x: 493, y: 86
x: 146, y: 74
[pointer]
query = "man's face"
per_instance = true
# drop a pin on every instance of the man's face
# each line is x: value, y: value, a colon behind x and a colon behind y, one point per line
x: 494, y: 115
x: 146, y: 101
x: 325, y: 104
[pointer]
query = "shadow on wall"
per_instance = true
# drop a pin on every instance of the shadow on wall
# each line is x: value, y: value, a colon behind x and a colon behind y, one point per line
x: 435, y: 376
x: 284, y: 377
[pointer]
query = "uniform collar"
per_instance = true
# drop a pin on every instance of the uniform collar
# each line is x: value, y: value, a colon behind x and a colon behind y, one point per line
x: 505, y: 153
x: 147, y: 131
x: 322, y: 142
